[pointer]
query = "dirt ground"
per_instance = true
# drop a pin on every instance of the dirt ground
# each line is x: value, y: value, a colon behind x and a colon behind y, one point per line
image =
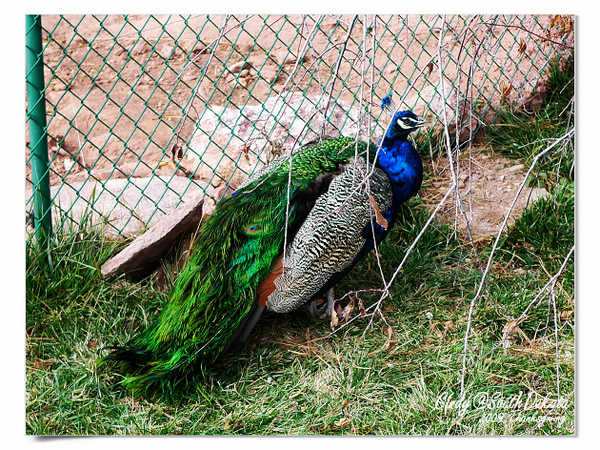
x: 125, y: 93
x: 487, y: 192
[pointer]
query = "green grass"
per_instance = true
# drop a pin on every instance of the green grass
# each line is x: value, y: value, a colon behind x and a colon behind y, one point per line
x: 543, y: 235
x: 294, y: 377
x: 523, y: 135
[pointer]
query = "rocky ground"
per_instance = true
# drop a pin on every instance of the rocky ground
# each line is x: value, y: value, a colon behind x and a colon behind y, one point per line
x: 118, y: 90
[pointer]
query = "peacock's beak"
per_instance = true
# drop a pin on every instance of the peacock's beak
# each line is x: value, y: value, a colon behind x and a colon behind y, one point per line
x: 422, y: 122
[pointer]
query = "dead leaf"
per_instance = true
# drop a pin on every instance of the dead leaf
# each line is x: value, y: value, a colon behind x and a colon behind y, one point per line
x: 496, y: 380
x: 361, y: 308
x: 511, y: 327
x: 160, y: 278
x: 430, y: 68
x: 378, y: 216
x: 343, y: 422
x: 522, y: 46
x: 449, y: 326
x: 176, y: 152
x: 42, y: 365
x: 391, y: 342
x: 505, y: 89
x: 560, y: 25
x: 245, y: 151
x: 340, y: 316
x: 566, y: 315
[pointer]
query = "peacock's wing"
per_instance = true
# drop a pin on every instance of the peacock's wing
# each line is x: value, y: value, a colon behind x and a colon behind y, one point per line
x: 337, y: 233
x: 212, y: 295
x: 235, y: 250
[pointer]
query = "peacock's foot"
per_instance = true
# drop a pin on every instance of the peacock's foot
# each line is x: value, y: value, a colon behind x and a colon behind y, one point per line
x: 324, y: 308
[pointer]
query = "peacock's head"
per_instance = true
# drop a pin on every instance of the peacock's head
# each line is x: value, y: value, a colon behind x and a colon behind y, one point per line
x: 404, y: 123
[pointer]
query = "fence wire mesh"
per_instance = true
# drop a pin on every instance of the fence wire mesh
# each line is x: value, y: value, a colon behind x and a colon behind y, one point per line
x: 144, y: 112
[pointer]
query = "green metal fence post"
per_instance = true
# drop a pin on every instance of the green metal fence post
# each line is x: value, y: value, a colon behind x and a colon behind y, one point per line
x: 36, y: 118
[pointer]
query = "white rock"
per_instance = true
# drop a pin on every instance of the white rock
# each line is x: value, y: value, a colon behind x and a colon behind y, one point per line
x: 237, y: 67
x: 269, y: 73
x: 232, y: 143
x: 141, y: 257
x: 429, y: 102
x: 120, y: 206
x: 516, y: 168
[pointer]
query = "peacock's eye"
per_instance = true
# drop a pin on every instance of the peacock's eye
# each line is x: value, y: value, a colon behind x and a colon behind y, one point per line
x: 410, y: 123
x: 405, y: 122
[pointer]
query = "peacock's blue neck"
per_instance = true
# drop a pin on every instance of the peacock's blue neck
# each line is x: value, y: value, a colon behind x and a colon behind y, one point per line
x: 403, y: 165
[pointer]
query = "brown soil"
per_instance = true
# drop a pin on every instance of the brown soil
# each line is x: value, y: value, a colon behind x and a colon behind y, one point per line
x: 487, y: 189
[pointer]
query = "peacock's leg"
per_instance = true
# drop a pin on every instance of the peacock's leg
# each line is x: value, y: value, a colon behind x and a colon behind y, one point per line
x: 250, y: 324
x: 240, y: 335
x: 324, y: 311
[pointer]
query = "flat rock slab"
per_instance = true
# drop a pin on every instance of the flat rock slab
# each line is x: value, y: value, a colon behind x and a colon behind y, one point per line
x: 141, y: 257
x: 121, y: 207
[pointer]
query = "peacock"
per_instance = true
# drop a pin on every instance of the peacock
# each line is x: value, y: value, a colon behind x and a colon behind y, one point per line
x: 284, y: 238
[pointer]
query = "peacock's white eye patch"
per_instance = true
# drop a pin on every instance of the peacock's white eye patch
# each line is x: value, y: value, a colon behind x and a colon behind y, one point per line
x: 411, y: 123
x: 406, y: 123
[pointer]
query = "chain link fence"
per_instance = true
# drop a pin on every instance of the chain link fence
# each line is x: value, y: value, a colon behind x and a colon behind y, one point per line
x: 145, y: 112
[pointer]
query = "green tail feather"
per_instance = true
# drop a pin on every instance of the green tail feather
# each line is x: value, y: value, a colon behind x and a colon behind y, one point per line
x: 234, y: 252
